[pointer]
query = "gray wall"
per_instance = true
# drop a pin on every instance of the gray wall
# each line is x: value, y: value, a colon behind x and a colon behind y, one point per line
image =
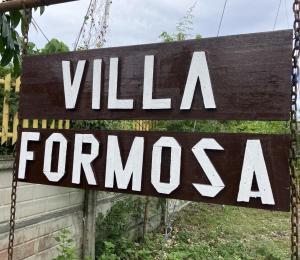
x: 42, y: 211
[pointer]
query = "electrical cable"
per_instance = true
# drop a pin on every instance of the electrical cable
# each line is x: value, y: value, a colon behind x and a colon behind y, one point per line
x: 40, y: 29
x: 222, y: 16
x: 276, y: 18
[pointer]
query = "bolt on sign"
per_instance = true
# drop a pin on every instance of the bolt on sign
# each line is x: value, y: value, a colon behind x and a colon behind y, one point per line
x: 243, y: 77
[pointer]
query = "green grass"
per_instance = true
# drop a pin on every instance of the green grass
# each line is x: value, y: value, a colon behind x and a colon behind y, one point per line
x: 230, y: 233
x: 202, y: 231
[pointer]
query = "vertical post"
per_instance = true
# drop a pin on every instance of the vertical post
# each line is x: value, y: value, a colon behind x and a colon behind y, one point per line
x: 52, y: 126
x: 144, y: 125
x: 5, y: 117
x: 44, y: 123
x: 25, y: 123
x: 16, y: 116
x: 60, y: 124
x: 89, y: 224
x: 35, y: 123
x: 67, y: 124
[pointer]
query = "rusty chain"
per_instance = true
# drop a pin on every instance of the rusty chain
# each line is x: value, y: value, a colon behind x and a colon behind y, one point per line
x: 27, y: 15
x: 12, y: 211
x: 294, y: 130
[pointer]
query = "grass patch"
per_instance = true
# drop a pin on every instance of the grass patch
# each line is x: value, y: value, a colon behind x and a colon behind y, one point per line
x: 203, y: 231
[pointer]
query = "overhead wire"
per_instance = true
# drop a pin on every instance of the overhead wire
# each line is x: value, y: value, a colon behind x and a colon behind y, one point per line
x: 219, y: 28
x: 277, y: 14
x: 222, y: 16
x: 40, y: 29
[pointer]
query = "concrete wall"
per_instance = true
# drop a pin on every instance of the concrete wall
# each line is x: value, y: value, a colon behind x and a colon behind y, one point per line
x: 43, y: 211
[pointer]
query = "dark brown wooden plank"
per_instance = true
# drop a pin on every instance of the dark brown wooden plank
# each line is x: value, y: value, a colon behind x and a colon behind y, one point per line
x: 250, y: 77
x: 228, y: 164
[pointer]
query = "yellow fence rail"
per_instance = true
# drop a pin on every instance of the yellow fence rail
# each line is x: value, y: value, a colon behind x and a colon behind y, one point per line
x: 10, y: 122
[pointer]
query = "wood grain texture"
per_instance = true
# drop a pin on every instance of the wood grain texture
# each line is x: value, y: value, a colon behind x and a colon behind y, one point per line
x: 250, y: 77
x: 228, y: 164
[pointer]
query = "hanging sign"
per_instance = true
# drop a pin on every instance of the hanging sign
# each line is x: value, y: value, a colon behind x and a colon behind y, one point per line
x: 236, y: 169
x: 227, y: 78
x: 232, y: 77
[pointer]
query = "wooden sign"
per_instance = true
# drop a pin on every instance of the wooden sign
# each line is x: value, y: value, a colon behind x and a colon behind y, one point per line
x: 236, y: 169
x: 228, y: 78
x: 232, y: 77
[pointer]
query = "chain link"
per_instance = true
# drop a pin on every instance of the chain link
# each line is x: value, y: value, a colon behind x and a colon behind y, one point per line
x: 12, y: 210
x: 27, y: 16
x: 27, y: 19
x: 294, y: 130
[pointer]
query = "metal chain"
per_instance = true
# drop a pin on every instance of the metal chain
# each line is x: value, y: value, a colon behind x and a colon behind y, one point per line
x: 12, y: 210
x: 27, y: 18
x: 27, y: 14
x: 294, y: 130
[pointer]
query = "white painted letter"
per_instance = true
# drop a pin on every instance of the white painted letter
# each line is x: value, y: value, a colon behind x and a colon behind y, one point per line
x: 113, y: 101
x: 97, y: 71
x: 26, y: 155
x: 254, y: 163
x: 55, y: 176
x: 71, y: 89
x: 148, y: 101
x: 166, y: 188
x: 133, y: 168
x: 216, y: 182
x: 84, y: 160
x: 198, y: 69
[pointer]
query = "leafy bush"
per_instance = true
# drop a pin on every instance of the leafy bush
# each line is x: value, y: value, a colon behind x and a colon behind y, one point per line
x: 54, y: 46
x: 66, y: 249
x: 114, y: 226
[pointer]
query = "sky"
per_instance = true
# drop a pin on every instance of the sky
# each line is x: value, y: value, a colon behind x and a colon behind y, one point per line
x: 142, y: 21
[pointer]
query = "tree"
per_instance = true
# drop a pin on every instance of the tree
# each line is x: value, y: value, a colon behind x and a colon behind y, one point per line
x: 54, y: 46
x: 10, y: 40
x: 183, y: 28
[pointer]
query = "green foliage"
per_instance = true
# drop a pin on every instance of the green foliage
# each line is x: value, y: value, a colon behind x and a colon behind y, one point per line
x: 183, y: 28
x: 109, y: 252
x: 32, y: 49
x: 10, y: 40
x: 113, y: 227
x: 5, y: 70
x: 12, y: 97
x: 213, y: 126
x: 54, y: 46
x: 102, y: 124
x: 66, y: 249
x: 204, y: 231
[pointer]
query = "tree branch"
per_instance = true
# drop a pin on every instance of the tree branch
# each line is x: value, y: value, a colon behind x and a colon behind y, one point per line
x: 19, y: 4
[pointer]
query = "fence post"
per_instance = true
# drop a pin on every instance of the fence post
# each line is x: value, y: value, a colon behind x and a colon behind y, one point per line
x: 5, y: 115
x: 89, y: 224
